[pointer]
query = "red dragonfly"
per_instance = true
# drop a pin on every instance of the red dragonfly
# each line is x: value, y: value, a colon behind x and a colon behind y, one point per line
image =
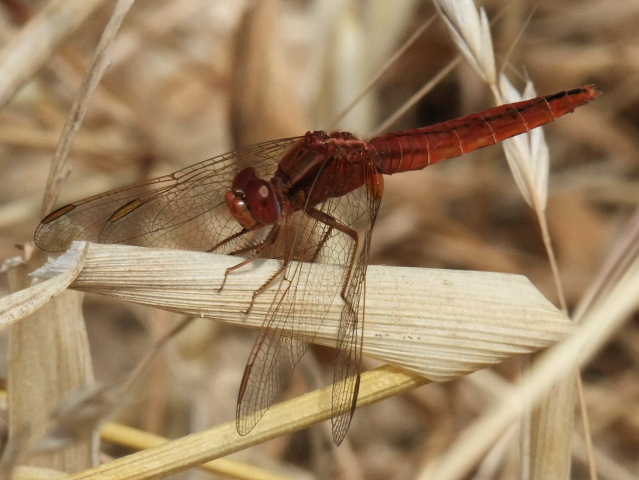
x: 310, y: 199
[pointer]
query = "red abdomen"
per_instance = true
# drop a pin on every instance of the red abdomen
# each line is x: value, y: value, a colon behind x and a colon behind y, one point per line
x: 418, y: 148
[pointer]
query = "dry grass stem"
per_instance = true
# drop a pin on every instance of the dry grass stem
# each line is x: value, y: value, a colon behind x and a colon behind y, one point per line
x: 35, y: 43
x: 619, y: 260
x: 547, y: 453
x: 380, y: 72
x: 58, y: 171
x: 293, y: 415
x: 598, y: 325
x: 140, y: 440
x: 421, y: 93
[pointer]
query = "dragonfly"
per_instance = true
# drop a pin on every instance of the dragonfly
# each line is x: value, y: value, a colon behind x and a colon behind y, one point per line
x: 306, y: 201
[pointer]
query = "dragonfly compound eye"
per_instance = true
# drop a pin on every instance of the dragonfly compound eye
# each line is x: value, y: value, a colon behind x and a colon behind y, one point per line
x: 239, y: 210
x: 252, y: 201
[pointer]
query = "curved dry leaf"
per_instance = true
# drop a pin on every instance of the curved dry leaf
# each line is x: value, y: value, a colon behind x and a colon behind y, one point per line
x: 439, y: 323
x: 23, y: 303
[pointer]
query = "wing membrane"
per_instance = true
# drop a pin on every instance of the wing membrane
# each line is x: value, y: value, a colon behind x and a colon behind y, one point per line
x: 182, y: 210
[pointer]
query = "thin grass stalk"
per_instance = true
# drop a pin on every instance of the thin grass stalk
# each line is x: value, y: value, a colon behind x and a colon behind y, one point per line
x: 135, y: 439
x: 558, y: 363
x: 492, y: 385
x: 33, y: 46
x: 423, y: 91
x: 49, y: 348
x: 542, y: 220
x: 417, y: 96
x: 470, y: 31
x: 56, y: 334
x: 617, y: 263
x: 295, y: 414
x: 380, y: 72
x: 58, y: 170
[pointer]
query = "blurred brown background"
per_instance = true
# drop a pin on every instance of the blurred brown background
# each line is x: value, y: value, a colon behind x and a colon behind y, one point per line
x: 193, y: 78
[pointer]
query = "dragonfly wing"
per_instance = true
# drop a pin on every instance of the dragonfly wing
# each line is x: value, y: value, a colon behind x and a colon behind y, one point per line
x: 346, y: 373
x: 266, y: 376
x: 357, y: 210
x: 185, y: 209
x: 281, y: 343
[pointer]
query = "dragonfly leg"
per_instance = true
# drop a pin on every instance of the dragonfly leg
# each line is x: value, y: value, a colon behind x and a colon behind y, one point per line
x: 257, y: 249
x: 321, y: 244
x: 242, y: 250
x: 227, y: 240
x: 332, y: 222
x: 280, y: 271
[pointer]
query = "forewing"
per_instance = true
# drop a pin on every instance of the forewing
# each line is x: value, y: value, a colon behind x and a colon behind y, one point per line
x: 185, y: 209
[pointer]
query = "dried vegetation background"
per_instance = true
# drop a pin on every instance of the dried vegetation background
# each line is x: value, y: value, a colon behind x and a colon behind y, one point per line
x: 194, y: 78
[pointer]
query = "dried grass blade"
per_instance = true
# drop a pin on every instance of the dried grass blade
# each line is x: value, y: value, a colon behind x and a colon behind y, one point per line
x: 139, y: 440
x: 24, y: 302
x: 285, y: 417
x: 54, y: 357
x: 439, y: 323
x: 33, y: 46
x: 263, y: 103
x: 57, y: 171
x: 599, y: 324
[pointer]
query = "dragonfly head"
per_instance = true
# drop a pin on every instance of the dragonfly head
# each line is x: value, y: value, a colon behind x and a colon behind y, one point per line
x: 252, y: 200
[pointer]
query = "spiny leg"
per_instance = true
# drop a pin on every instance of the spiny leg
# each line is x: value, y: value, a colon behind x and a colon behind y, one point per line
x: 257, y: 249
x: 280, y: 271
x: 346, y: 373
x: 321, y: 244
x: 228, y: 239
x: 285, y: 262
x: 332, y: 222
